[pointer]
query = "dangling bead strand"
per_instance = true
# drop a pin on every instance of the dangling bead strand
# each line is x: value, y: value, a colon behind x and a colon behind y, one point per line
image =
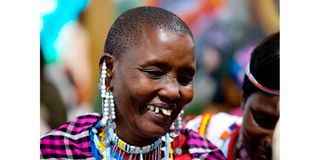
x: 178, y: 127
x: 108, y: 106
x: 112, y: 116
x: 103, y: 93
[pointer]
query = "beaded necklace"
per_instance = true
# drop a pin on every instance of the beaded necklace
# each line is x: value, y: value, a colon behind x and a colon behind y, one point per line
x: 107, y: 145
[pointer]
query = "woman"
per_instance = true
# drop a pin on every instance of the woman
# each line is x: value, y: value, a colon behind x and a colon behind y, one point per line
x: 146, y: 79
x: 249, y: 137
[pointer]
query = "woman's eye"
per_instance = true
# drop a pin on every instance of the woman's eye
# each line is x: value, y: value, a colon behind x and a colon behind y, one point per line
x: 264, y: 121
x: 155, y: 74
x: 185, y: 80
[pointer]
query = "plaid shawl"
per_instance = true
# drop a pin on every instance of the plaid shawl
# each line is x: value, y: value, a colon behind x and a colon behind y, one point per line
x: 72, y: 141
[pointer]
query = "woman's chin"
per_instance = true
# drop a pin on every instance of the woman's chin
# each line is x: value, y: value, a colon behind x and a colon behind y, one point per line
x: 154, y: 126
x: 154, y: 131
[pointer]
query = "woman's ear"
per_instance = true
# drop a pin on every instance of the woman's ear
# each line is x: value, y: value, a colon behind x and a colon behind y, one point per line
x: 110, y: 62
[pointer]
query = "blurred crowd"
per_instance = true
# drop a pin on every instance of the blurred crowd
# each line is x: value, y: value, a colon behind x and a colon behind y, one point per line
x: 225, y: 33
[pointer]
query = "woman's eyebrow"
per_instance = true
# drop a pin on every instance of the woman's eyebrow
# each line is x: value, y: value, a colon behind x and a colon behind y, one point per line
x: 156, y: 63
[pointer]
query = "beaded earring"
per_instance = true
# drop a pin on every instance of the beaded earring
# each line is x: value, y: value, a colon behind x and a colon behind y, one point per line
x: 177, y: 126
x: 108, y: 109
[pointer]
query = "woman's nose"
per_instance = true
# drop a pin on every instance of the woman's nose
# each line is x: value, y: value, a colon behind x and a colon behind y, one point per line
x: 170, y: 90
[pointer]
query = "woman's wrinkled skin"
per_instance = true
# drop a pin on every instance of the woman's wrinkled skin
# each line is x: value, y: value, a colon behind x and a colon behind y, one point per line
x: 159, y: 71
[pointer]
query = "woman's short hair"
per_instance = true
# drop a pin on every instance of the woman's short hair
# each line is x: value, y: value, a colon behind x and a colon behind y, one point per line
x: 126, y: 31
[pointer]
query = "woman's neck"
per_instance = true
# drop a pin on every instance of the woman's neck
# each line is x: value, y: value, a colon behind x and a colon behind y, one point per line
x: 132, y: 137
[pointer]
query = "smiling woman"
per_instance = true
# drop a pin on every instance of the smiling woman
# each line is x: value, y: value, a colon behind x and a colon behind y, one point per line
x: 147, y: 72
x: 156, y: 79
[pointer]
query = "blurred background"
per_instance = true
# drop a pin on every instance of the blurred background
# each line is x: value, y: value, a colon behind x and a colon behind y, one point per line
x: 72, y: 39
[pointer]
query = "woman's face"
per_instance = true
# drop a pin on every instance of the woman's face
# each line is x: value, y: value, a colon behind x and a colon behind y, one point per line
x: 152, y: 83
x: 260, y: 117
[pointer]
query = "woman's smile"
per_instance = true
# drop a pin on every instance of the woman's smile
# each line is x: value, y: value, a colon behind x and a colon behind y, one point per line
x: 159, y: 115
x: 159, y: 110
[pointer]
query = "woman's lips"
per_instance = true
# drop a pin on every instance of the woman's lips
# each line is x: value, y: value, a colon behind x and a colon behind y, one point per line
x: 162, y: 113
x: 160, y: 119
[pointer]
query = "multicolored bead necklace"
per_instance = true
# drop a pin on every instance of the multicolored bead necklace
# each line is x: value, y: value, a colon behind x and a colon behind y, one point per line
x: 109, y: 146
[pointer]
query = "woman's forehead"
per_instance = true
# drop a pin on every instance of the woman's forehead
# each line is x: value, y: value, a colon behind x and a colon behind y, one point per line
x: 161, y: 42
x: 162, y: 35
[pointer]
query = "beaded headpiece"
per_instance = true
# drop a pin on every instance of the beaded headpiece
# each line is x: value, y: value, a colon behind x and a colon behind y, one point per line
x: 260, y: 86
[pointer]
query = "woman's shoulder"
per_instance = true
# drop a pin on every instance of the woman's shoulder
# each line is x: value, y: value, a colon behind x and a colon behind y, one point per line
x: 70, y: 140
x: 200, y: 147
x: 218, y: 128
x: 212, y: 124
x: 76, y: 125
x: 194, y: 122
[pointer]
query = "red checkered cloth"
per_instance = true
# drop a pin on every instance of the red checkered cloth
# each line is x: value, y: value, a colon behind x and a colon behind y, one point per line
x: 72, y: 141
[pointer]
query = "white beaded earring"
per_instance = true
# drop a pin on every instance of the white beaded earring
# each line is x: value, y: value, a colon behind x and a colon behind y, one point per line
x: 108, y: 109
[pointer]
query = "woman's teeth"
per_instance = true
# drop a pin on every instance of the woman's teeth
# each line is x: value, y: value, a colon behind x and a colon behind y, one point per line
x: 155, y: 109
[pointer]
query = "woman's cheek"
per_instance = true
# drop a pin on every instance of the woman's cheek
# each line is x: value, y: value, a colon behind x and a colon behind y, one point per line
x: 186, y: 95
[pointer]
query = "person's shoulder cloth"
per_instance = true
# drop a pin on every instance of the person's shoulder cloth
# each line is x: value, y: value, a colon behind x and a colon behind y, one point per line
x: 201, y: 148
x: 70, y: 140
